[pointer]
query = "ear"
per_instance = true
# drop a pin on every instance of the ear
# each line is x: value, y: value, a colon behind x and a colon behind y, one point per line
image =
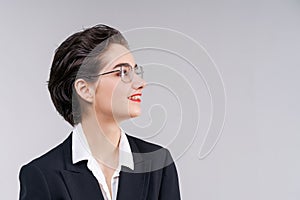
x: 84, y: 90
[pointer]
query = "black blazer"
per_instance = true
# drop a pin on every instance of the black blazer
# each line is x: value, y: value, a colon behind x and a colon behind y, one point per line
x: 53, y: 176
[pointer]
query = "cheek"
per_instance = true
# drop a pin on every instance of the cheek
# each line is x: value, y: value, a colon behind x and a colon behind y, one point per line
x: 111, y: 96
x: 120, y: 102
x: 119, y: 95
x: 103, y: 97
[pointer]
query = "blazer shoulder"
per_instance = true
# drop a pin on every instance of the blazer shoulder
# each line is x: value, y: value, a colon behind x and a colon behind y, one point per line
x: 52, y: 158
x: 159, y: 156
x: 149, y: 150
x: 143, y: 145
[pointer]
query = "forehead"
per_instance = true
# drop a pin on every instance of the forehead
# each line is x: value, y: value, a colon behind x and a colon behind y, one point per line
x: 117, y: 54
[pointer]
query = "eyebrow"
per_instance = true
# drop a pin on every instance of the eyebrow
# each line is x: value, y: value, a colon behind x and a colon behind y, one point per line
x: 121, y: 64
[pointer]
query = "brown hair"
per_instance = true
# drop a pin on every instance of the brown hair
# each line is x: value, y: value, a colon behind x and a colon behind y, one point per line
x: 78, y: 57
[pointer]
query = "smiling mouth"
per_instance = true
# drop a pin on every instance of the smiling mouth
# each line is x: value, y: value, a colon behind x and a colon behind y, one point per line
x: 135, y: 97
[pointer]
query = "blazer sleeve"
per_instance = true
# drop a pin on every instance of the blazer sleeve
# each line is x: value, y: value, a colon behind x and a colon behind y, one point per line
x: 170, y: 183
x: 33, y: 185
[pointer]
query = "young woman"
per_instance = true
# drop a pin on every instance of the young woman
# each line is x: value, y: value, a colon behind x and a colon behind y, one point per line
x: 95, y: 84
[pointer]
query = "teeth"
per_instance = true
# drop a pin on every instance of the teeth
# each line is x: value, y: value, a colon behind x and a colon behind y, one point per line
x: 135, y: 97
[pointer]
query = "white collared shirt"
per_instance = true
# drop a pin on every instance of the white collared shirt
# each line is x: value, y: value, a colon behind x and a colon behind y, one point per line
x: 81, y: 151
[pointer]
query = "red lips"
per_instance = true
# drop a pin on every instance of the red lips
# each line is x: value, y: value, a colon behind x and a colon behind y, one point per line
x: 135, y: 97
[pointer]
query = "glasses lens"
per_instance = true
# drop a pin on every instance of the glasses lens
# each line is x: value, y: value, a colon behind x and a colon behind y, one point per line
x: 126, y: 73
x: 139, y: 70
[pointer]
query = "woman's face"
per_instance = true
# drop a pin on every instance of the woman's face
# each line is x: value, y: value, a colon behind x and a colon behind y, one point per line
x: 113, y: 97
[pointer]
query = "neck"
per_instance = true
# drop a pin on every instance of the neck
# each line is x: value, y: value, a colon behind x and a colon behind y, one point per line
x: 103, y: 136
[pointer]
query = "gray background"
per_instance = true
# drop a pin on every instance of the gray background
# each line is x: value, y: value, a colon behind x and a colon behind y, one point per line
x: 255, y: 45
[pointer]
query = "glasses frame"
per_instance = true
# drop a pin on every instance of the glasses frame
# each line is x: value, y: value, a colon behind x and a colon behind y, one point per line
x: 132, y: 70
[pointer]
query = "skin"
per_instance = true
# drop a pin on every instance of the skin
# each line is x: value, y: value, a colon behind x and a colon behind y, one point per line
x: 106, y: 104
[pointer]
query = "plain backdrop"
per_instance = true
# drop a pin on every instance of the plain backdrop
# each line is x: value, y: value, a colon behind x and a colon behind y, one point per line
x: 255, y: 45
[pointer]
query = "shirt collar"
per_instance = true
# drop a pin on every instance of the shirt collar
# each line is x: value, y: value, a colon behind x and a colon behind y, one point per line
x: 81, y: 150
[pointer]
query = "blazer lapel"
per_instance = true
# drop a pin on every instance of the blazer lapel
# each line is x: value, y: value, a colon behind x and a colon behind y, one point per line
x: 79, y: 179
x: 134, y: 184
x: 81, y: 184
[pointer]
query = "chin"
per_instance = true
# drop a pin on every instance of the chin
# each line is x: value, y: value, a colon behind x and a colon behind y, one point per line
x: 135, y: 113
x: 128, y: 115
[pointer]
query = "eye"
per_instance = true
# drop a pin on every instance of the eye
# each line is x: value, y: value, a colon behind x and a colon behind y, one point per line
x: 119, y: 73
x: 125, y: 70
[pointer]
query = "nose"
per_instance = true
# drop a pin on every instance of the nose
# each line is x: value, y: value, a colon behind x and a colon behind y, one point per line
x: 138, y: 83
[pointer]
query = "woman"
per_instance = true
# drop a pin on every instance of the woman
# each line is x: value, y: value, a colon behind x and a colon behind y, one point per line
x: 95, y: 84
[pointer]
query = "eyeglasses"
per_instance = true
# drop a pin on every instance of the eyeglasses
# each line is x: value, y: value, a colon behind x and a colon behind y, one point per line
x: 126, y: 71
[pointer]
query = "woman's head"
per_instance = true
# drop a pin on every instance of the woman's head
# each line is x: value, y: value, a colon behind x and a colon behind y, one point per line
x: 74, y: 83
